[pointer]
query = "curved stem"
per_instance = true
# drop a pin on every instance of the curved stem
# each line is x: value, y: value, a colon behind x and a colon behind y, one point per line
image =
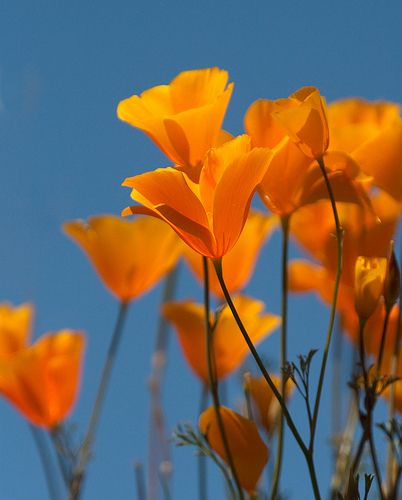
x: 285, y: 221
x: 46, y: 461
x: 85, y: 450
x: 382, y: 344
x: 339, y: 242
x: 218, y: 268
x: 213, y: 381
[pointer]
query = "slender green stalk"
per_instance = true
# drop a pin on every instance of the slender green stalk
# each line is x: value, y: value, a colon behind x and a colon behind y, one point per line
x: 85, y: 451
x: 139, y: 480
x: 213, y: 381
x: 158, y: 443
x: 313, y: 476
x: 382, y: 343
x: 46, y: 461
x: 285, y: 221
x: 339, y: 243
x: 202, y: 463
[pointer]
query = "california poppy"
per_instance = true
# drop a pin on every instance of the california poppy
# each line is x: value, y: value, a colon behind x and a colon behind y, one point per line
x: 183, y: 118
x: 130, y: 256
x: 229, y: 347
x: 208, y: 216
x: 369, y: 283
x: 42, y: 380
x: 15, y: 328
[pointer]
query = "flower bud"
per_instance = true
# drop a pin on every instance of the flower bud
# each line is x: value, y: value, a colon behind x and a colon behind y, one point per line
x: 369, y: 283
x: 392, y: 283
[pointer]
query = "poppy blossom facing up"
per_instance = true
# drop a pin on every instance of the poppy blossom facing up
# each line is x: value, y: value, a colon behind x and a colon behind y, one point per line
x: 130, y: 256
x: 208, y: 216
x: 183, y: 118
x: 42, y: 380
x: 248, y: 450
x: 229, y: 347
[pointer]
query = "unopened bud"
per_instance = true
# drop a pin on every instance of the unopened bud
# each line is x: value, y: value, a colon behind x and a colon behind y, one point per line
x: 392, y: 283
x: 369, y: 282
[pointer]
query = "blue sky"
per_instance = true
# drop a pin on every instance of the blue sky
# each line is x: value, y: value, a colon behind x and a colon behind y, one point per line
x: 64, y: 66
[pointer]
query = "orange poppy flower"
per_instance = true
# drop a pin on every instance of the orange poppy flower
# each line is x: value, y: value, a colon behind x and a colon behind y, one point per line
x: 304, y: 117
x: 15, y: 328
x: 208, y: 216
x: 371, y: 132
x: 265, y: 402
x: 130, y: 256
x: 369, y: 283
x: 238, y: 264
x: 184, y: 118
x: 229, y: 347
x: 248, y: 450
x: 293, y: 179
x: 42, y: 380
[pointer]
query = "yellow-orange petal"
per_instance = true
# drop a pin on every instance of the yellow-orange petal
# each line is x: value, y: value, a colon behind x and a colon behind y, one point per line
x: 15, y: 328
x: 229, y: 346
x: 259, y: 123
x: 233, y: 196
x: 42, y: 380
x: 238, y: 264
x: 129, y: 255
x: 248, y: 450
x: 265, y: 402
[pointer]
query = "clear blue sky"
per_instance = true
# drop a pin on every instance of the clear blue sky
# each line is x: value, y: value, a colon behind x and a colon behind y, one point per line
x: 63, y: 154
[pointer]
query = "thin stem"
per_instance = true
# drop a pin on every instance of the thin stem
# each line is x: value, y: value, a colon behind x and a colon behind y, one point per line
x: 58, y: 447
x: 213, y: 381
x: 218, y: 268
x: 85, y: 451
x: 46, y: 461
x: 202, y: 463
x: 339, y: 243
x: 158, y: 441
x: 285, y: 221
x: 139, y: 480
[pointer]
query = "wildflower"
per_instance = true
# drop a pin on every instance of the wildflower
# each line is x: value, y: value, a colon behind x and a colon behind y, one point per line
x: 248, y: 450
x: 229, y: 347
x: 129, y: 256
x: 208, y: 216
x: 15, y: 328
x: 184, y: 118
x: 42, y: 380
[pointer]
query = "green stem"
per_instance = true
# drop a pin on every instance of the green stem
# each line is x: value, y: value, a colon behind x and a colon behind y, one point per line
x: 382, y: 344
x: 85, y: 451
x: 46, y: 461
x: 218, y: 268
x: 213, y: 384
x: 285, y: 222
x: 339, y: 242
x: 202, y: 464
x: 139, y: 481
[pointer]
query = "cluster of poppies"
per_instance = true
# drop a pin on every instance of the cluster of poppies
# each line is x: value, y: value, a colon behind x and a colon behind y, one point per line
x: 319, y: 170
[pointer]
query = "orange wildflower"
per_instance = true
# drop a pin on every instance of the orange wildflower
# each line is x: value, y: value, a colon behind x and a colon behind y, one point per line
x: 371, y: 132
x: 130, y: 256
x: 15, y: 328
x: 369, y: 283
x: 229, y: 347
x: 184, y: 118
x: 248, y: 450
x: 293, y: 179
x: 208, y: 216
x: 265, y: 402
x: 238, y: 264
x: 304, y: 117
x: 42, y: 380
